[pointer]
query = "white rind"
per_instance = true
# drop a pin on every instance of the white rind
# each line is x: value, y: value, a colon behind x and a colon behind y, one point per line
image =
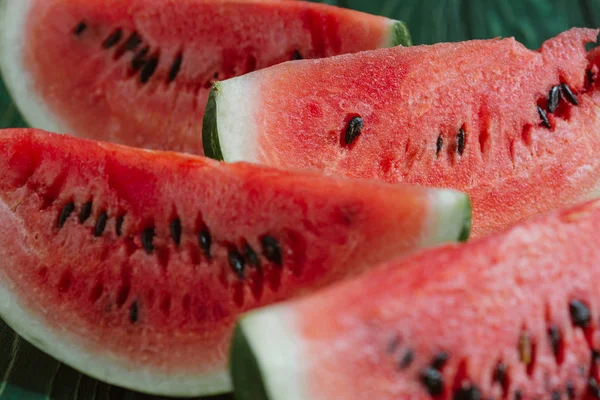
x: 64, y: 345
x: 450, y: 211
x: 238, y: 100
x: 13, y: 17
x: 282, y: 379
x: 390, y: 39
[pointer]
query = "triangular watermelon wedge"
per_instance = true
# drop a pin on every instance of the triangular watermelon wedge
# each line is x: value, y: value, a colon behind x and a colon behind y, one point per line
x: 516, y: 129
x: 138, y: 72
x: 132, y: 265
x: 511, y: 316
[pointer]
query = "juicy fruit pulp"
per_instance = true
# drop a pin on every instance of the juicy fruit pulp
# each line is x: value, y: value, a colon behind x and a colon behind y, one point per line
x: 138, y: 72
x: 133, y: 265
x: 513, y: 316
x: 473, y: 116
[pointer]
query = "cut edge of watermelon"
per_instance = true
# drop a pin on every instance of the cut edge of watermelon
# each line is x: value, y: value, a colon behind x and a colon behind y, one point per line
x: 99, y: 365
x: 262, y: 366
x: 13, y: 16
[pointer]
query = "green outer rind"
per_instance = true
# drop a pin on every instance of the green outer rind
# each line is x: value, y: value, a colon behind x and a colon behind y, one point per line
x: 399, y: 35
x: 465, y: 233
x: 210, y: 130
x: 245, y: 371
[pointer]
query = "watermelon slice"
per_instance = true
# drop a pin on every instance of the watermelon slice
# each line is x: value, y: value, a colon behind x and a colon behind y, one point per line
x: 132, y: 265
x: 138, y: 72
x: 514, y: 316
x: 514, y: 128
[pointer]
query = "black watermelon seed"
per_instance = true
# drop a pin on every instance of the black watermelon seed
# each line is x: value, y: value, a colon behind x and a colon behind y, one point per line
x: 251, y: 256
x: 101, y: 224
x: 407, y: 359
x: 393, y: 344
x: 439, y: 360
x: 119, y: 225
x: 148, y: 240
x: 353, y: 130
x: 134, y: 312
x: 176, y: 231
x: 568, y: 94
x: 556, y: 395
x: 460, y: 141
x: 571, y: 393
x: 433, y: 381
x: 205, y: 241
x: 176, y: 67
x: 148, y: 69
x: 594, y: 388
x: 555, y: 339
x: 271, y: 250
x: 139, y: 60
x: 86, y: 212
x: 590, y: 77
x: 580, y: 314
x: 81, y: 27
x: 297, y: 55
x: 439, y: 145
x: 113, y: 39
x: 65, y: 213
x: 518, y: 395
x: 132, y: 42
x: 500, y: 374
x: 553, y: 98
x: 469, y: 392
x: 595, y: 357
x: 237, y: 263
x: 544, y: 117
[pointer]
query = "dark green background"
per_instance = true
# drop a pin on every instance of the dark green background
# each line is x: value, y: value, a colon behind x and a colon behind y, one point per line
x: 27, y: 374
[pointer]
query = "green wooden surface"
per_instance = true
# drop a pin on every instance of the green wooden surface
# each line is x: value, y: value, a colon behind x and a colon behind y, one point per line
x: 28, y: 374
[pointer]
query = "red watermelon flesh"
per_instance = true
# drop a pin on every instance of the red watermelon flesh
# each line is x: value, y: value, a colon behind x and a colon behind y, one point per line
x: 512, y: 316
x: 472, y: 116
x: 132, y: 265
x: 138, y: 72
